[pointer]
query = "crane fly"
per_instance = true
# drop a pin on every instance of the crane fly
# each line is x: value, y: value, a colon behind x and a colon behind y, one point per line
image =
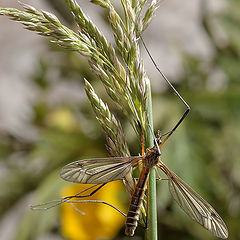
x: 100, y: 171
x: 103, y: 170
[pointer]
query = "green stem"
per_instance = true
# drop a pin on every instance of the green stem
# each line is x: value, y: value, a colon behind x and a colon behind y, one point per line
x: 151, y: 233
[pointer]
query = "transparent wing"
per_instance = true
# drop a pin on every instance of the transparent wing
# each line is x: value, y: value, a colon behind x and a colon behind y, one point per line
x: 194, y: 205
x: 98, y: 170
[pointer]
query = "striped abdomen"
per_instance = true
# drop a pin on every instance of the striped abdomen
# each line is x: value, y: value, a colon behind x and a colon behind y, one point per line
x: 135, y: 204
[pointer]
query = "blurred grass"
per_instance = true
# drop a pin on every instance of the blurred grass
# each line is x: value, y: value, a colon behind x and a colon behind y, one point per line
x: 204, y: 151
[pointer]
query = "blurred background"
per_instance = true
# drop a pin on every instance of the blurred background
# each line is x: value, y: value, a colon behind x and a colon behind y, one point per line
x: 46, y: 122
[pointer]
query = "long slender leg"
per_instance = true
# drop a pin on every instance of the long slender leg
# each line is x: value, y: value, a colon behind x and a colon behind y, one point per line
x: 176, y: 126
x: 54, y: 203
x: 159, y: 178
x: 142, y: 141
x: 87, y: 195
x: 174, y: 90
x: 93, y: 201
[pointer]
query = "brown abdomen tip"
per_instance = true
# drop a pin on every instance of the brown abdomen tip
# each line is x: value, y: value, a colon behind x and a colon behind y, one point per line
x: 129, y: 231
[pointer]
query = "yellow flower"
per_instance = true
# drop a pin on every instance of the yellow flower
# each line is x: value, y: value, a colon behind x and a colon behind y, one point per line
x: 100, y: 221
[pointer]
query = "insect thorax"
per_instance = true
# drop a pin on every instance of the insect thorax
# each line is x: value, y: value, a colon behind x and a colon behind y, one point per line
x: 151, y: 158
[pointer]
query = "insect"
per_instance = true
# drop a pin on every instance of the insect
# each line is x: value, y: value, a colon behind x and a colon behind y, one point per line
x: 103, y: 170
x: 100, y: 171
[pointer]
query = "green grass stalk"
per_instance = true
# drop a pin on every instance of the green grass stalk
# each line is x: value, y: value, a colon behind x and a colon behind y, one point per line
x: 151, y: 233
